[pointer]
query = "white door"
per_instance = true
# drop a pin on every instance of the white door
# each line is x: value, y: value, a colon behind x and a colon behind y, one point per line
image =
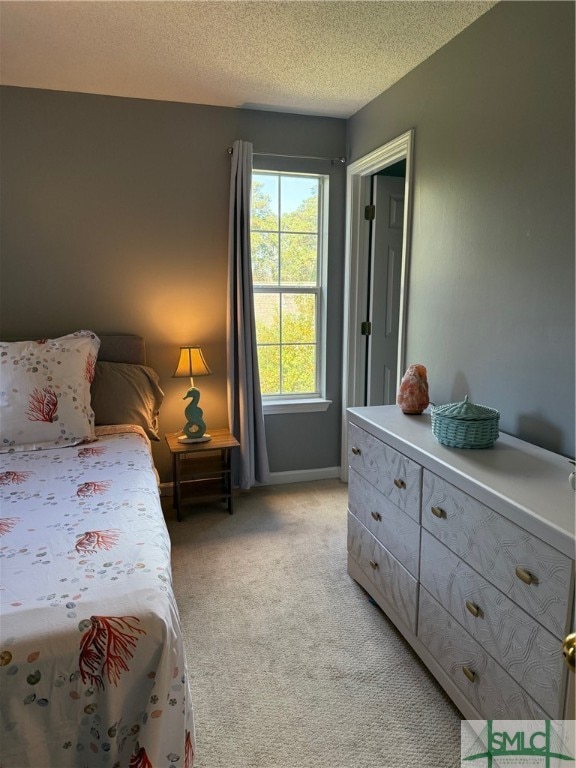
x: 385, y: 272
x: 356, y: 283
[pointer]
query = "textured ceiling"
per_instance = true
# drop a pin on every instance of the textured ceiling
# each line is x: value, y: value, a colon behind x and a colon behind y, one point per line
x: 322, y: 58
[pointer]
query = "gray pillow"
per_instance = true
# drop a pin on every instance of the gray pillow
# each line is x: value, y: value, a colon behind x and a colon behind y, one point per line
x: 123, y: 393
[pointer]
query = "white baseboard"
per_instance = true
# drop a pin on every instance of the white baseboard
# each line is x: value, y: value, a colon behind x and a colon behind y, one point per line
x: 279, y: 478
x: 304, y: 475
x: 166, y: 489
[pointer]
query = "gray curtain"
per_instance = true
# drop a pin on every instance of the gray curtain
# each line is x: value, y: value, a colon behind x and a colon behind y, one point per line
x: 244, y: 397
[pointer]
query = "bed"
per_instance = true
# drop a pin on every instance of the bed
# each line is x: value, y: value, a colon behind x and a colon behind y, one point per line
x: 92, y: 666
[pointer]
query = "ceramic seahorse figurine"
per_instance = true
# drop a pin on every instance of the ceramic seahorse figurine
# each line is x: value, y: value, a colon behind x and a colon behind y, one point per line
x: 195, y: 426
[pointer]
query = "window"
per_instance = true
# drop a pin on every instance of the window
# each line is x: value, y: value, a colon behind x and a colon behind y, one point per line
x: 288, y: 223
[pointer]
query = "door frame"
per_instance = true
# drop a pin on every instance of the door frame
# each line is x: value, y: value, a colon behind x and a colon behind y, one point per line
x: 356, y: 276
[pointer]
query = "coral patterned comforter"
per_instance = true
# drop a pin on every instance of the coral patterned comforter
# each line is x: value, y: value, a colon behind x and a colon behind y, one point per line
x: 92, y: 668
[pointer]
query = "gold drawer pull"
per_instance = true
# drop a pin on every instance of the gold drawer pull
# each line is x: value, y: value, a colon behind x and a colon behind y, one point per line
x: 377, y: 516
x: 526, y: 576
x: 475, y: 610
x: 569, y: 651
x: 399, y: 483
x: 373, y: 564
x: 438, y: 511
x: 470, y: 674
x: 356, y: 451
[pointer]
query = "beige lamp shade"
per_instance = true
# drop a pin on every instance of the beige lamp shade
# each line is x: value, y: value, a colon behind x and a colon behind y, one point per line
x: 191, y: 363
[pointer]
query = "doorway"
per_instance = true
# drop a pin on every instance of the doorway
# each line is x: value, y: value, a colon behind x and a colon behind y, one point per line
x: 384, y: 276
x: 373, y: 364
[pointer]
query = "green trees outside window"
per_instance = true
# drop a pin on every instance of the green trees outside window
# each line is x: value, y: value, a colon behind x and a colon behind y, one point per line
x: 286, y: 235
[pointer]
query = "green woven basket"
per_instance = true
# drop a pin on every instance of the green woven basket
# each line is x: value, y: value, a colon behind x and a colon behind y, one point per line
x: 465, y: 425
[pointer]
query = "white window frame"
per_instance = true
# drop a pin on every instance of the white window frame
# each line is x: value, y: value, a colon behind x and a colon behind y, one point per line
x: 293, y: 402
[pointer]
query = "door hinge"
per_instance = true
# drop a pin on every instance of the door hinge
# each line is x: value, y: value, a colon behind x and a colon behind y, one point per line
x: 366, y: 328
x: 370, y: 212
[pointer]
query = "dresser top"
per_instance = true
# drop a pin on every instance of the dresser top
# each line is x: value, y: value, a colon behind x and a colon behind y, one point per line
x: 525, y: 483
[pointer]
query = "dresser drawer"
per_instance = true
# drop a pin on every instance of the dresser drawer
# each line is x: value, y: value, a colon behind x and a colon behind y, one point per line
x: 390, y: 578
x: 501, y: 551
x: 394, y: 529
x: 396, y: 476
x: 491, y: 691
x: 527, y: 651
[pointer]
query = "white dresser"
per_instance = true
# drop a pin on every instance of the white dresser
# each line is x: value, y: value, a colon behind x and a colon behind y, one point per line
x: 471, y: 554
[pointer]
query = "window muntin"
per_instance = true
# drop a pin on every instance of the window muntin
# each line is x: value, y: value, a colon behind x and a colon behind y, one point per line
x: 287, y: 238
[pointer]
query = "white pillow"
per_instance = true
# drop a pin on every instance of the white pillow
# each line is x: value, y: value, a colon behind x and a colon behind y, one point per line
x: 45, y: 392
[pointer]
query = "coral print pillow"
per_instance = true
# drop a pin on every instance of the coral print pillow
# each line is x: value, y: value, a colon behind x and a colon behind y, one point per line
x: 45, y: 392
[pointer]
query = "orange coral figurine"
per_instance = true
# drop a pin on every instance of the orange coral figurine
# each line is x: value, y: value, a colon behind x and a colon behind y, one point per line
x: 413, y: 395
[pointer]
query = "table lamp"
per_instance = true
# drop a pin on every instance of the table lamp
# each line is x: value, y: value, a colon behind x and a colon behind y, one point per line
x: 190, y: 364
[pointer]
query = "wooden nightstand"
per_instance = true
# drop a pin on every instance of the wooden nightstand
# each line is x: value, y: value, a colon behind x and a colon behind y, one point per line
x: 202, y: 471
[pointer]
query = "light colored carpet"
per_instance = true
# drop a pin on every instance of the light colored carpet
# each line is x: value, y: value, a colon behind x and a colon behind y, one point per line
x: 291, y: 665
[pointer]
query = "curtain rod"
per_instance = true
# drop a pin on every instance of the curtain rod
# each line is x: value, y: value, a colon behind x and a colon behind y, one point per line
x: 300, y: 157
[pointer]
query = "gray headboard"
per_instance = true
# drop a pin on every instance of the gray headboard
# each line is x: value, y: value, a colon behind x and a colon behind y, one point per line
x: 122, y: 349
x: 116, y: 348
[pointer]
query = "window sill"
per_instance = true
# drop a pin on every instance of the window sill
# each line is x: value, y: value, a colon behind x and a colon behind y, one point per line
x: 305, y: 405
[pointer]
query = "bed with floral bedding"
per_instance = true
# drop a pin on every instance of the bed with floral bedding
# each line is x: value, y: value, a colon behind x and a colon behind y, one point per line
x: 92, y: 666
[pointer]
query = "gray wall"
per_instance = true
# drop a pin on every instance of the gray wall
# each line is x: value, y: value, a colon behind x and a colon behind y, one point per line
x: 114, y: 218
x: 491, y: 308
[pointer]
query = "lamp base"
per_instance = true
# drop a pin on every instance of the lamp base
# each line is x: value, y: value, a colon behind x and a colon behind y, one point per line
x: 203, y: 439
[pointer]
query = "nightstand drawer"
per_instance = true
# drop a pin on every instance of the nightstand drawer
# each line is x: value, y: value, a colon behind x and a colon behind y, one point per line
x: 392, y: 527
x: 390, y: 578
x: 396, y: 476
x: 490, y: 690
x: 527, y: 651
x: 535, y: 575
